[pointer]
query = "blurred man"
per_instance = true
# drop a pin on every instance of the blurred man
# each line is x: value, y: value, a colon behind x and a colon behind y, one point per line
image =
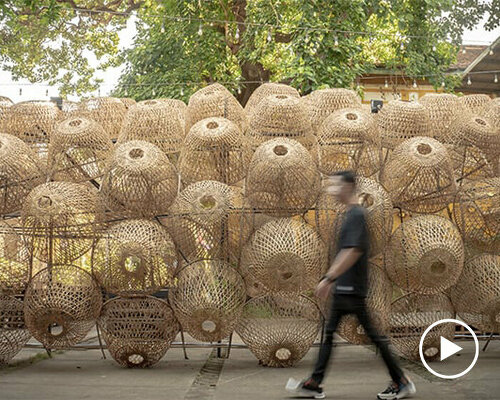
x: 349, y: 271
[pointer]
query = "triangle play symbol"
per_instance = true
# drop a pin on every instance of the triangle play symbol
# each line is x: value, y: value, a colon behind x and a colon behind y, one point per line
x: 447, y: 349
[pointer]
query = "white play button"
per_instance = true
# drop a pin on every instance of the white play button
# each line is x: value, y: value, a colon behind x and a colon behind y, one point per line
x: 447, y: 349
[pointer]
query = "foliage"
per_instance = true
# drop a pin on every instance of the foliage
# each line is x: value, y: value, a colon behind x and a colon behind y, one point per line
x: 51, y: 40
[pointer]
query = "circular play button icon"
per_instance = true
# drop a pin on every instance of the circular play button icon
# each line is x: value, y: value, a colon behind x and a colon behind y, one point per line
x: 448, y: 348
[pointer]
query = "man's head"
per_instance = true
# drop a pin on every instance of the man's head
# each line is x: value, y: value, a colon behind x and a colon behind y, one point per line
x: 342, y: 185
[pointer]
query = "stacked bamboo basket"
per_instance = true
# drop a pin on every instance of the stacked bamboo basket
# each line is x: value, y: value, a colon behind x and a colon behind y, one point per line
x: 108, y: 204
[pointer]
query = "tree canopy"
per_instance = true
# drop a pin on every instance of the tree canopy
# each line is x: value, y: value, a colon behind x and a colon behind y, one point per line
x: 183, y: 44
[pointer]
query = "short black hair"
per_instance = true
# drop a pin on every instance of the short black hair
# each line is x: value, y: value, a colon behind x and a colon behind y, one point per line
x: 347, y: 176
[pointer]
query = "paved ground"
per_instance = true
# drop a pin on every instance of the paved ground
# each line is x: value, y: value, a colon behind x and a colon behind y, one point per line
x: 356, y: 373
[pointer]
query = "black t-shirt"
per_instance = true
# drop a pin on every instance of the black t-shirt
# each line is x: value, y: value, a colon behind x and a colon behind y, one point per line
x: 354, y: 233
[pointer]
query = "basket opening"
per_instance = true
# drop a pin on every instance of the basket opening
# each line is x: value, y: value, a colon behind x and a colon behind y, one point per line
x: 351, y: 116
x: 132, y: 263
x: 150, y: 102
x: 366, y: 200
x: 286, y: 275
x: 438, y: 267
x: 281, y: 96
x: 283, y: 354
x: 135, y: 359
x: 75, y: 122
x: 44, y: 202
x: 480, y: 121
x: 280, y: 150
x: 212, y: 125
x: 208, y: 326
x: 424, y: 148
x: 56, y: 330
x: 431, y: 352
x: 136, y: 153
x: 208, y: 201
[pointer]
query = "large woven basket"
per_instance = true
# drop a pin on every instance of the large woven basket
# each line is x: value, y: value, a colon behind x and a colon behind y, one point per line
x: 279, y: 329
x: 138, y: 331
x: 109, y: 112
x: 475, y: 103
x: 443, y: 109
x: 268, y: 89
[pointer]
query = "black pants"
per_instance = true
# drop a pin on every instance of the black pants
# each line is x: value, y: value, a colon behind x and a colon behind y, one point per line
x: 344, y: 304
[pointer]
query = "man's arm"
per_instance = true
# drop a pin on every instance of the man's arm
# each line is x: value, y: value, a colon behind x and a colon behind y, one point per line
x: 344, y: 260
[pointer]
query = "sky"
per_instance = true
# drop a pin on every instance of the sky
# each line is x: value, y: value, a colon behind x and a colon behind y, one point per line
x: 10, y: 88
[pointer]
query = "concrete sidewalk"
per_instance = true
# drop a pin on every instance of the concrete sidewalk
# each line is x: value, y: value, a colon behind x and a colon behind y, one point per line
x: 356, y: 373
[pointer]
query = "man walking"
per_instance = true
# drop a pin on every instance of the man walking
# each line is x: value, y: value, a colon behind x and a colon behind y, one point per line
x: 349, y: 270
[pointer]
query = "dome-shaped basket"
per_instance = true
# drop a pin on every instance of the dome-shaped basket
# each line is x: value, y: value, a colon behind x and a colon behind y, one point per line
x: 139, y: 180
x: 5, y: 104
x: 138, y: 331
x: 282, y: 179
x: 476, y: 212
x: 280, y: 115
x: 215, y: 101
x: 425, y: 255
x: 78, y: 150
x: 443, y: 109
x: 326, y: 101
x: 214, y: 149
x: 109, y: 112
x: 379, y: 213
x: 475, y: 103
x: 411, y: 315
x: 135, y: 257
x: 61, y: 305
x: 285, y: 255
x: 58, y: 220
x: 33, y: 122
x: 207, y: 221
x: 208, y: 299
x: 348, y: 140
x: 279, y: 329
x: 476, y: 296
x: 378, y: 301
x: 20, y: 171
x: 13, y: 332
x: 419, y: 176
x: 400, y: 120
x: 268, y: 89
x: 156, y: 122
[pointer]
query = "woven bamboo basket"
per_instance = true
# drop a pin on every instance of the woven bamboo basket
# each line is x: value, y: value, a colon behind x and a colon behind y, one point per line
x: 285, y: 255
x: 425, y: 255
x: 207, y: 221
x: 61, y: 305
x: 127, y: 102
x: 5, y: 104
x: 135, y: 257
x: 268, y: 89
x: 14, y: 260
x: 138, y: 331
x: 109, y: 112
x: 475, y: 103
x: 13, y: 332
x: 33, y: 122
x: 215, y: 101
x: 469, y: 163
x: 419, y: 176
x: 476, y: 212
x: 214, y: 149
x: 474, y: 130
x: 379, y: 214
x: 279, y: 329
x: 491, y: 112
x: 324, y: 102
x: 378, y: 301
x: 20, y: 172
x: 78, y: 150
x: 411, y: 315
x: 348, y: 140
x: 58, y: 220
x: 157, y: 122
x: 282, y: 179
x: 281, y: 115
x: 208, y: 299
x: 476, y: 296
x: 443, y: 109
x: 139, y: 180
x: 401, y: 120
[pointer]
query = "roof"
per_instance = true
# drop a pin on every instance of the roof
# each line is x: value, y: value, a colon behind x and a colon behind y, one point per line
x: 465, y: 59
